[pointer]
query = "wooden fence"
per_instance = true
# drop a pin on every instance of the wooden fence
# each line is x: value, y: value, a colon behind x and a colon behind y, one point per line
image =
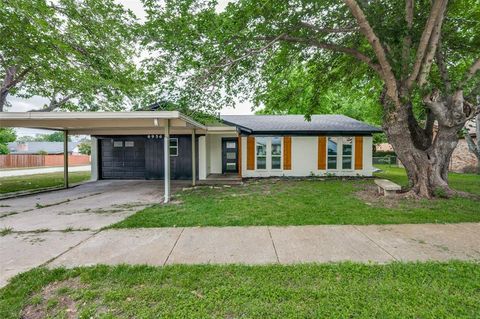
x: 30, y: 160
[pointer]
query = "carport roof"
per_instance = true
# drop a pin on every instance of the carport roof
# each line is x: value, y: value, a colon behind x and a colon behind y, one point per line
x: 97, y: 123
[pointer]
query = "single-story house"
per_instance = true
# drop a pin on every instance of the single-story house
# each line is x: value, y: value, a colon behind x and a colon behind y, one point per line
x: 135, y: 145
x: 41, y: 147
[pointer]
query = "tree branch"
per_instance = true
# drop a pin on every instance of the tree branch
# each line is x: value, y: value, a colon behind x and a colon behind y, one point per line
x: 327, y: 30
x: 425, y: 40
x: 470, y: 73
x: 54, y: 104
x: 432, y: 47
x: 18, y: 79
x: 327, y: 46
x: 367, y: 31
x: 407, y: 40
x: 442, y: 66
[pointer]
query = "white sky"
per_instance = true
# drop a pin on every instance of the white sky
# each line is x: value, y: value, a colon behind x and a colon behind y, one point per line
x: 36, y: 102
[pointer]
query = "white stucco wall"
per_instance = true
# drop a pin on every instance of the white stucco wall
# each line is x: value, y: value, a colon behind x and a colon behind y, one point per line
x: 202, y: 157
x: 210, y: 154
x: 304, y: 160
x: 215, y: 145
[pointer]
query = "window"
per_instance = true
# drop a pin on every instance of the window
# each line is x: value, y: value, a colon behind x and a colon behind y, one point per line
x: 276, y: 153
x: 129, y: 143
x: 261, y: 152
x: 117, y: 143
x: 332, y: 153
x: 347, y: 152
x: 174, y: 146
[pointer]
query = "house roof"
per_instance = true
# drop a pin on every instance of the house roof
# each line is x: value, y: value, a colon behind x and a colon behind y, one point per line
x: 296, y: 124
x: 36, y: 147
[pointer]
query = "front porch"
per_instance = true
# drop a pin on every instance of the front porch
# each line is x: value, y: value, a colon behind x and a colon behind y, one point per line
x: 222, y: 179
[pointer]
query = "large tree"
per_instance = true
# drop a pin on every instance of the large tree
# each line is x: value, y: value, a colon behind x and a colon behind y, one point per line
x: 422, y: 57
x: 76, y: 53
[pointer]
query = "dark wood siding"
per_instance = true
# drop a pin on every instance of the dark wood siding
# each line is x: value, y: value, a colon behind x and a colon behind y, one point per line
x: 145, y: 159
x: 123, y: 162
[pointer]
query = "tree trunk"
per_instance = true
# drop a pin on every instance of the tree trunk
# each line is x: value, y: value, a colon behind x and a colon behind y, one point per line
x: 3, y: 98
x: 426, y: 159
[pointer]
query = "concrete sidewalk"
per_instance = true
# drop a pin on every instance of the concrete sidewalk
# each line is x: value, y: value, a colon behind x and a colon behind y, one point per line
x: 246, y: 245
x: 285, y: 245
x: 41, y: 170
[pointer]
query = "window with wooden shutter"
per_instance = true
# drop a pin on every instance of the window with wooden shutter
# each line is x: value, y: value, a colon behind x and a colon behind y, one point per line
x: 322, y: 153
x: 358, y: 152
x: 287, y: 157
x: 250, y: 153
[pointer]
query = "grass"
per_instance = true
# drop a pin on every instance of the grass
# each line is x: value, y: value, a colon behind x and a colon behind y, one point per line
x: 306, y: 202
x: 39, y: 181
x: 345, y: 290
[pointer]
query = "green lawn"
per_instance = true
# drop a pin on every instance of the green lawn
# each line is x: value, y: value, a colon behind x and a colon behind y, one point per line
x: 306, y: 202
x: 346, y: 290
x: 38, y: 181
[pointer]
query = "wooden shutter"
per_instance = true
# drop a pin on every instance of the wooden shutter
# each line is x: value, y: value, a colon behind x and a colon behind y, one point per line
x: 287, y: 150
x: 322, y: 153
x: 239, y: 160
x: 250, y: 153
x: 358, y: 152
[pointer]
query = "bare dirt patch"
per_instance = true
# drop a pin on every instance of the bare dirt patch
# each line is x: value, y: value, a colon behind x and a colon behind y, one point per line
x: 53, y: 301
x: 368, y: 193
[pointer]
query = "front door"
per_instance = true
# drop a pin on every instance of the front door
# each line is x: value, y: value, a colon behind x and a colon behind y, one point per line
x: 229, y: 155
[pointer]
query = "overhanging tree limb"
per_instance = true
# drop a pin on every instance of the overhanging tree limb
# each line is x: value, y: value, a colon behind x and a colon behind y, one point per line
x: 327, y: 46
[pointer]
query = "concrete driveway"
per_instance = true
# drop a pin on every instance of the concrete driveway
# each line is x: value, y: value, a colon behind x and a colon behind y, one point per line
x: 47, y: 224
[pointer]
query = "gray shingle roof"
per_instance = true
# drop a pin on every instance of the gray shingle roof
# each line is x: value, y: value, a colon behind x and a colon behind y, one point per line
x: 298, y: 124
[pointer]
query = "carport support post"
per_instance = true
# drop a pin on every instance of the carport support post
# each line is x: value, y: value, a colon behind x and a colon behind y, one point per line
x: 166, y: 152
x: 65, y: 158
x: 194, y: 159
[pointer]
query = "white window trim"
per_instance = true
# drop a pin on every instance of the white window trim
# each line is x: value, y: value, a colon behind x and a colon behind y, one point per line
x: 268, y: 156
x: 340, y: 155
x: 175, y: 147
x: 281, y: 154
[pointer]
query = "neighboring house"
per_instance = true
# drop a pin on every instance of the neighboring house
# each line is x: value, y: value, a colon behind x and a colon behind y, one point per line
x: 464, y: 161
x: 41, y: 147
x: 130, y: 145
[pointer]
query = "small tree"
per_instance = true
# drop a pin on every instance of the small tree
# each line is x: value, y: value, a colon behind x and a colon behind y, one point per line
x: 7, y: 135
x: 85, y: 148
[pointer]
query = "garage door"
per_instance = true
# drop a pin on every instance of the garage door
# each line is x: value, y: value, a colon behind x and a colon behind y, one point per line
x: 122, y: 158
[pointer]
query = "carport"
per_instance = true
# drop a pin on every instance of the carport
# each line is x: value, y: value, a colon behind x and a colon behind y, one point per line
x: 151, y: 123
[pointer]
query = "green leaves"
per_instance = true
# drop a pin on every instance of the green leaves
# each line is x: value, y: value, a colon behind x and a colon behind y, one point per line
x: 79, y: 52
x: 7, y: 135
x: 213, y: 57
